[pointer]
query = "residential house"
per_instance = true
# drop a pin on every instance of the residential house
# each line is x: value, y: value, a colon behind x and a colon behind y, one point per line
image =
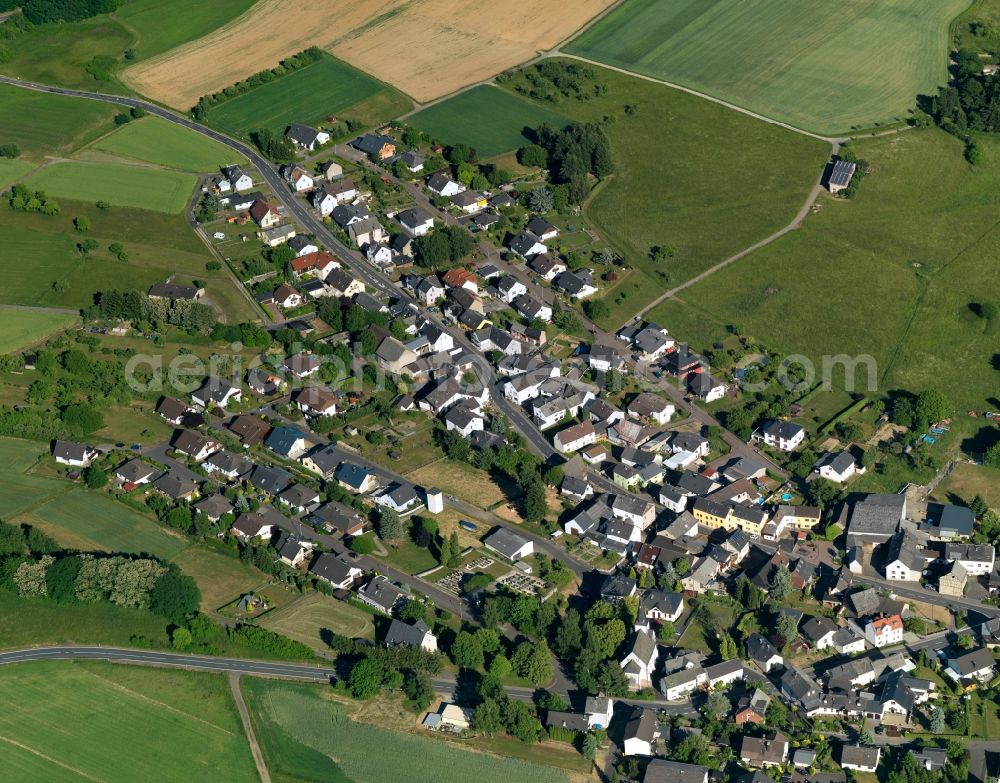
x: 135, y: 472
x: 381, y: 594
x: 640, y: 732
x: 252, y: 525
x: 194, y: 445
x: 763, y: 653
x: 416, y: 222
x: 884, y: 630
x: 783, y: 435
x: 306, y: 137
x: 526, y: 245
x: 214, y: 507
x: 531, y: 309
x: 470, y: 201
x: 251, y: 430
x: 367, y: 231
x: 318, y: 263
x: 175, y: 488
x: 74, y: 454
x: 974, y: 665
x: 375, y: 146
x: 542, y: 229
x: 264, y: 214
x: 401, y: 498
x: 579, y: 284
x: 442, y: 184
x: 574, y: 438
x: 977, y: 559
x: 335, y: 571
x: 599, y: 710
x: 768, y: 751
x: 236, y: 178
x: 650, y: 406
x: 819, y: 631
x: 904, y: 560
x: 413, y: 161
x: 269, y: 479
x: 338, y: 519
x: 953, y: 582
x: 837, y: 467
x: 510, y: 288
x: 298, y: 178
x: 752, y: 708
x: 356, y: 478
x: 216, y: 392
x: 662, y: 771
x: 415, y: 635
x: 299, y: 498
x: 288, y: 442
x: 546, y: 265
x: 315, y: 401
x: 860, y: 758
x: 639, y: 661
x: 332, y: 170
x: 326, y: 198
x: 292, y: 551
x: 231, y: 466
x: 509, y: 544
x: 706, y: 387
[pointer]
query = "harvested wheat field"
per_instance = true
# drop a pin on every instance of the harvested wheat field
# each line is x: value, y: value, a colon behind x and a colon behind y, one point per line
x: 426, y: 48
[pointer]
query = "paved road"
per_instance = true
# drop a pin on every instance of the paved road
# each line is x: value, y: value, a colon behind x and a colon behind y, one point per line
x: 928, y: 596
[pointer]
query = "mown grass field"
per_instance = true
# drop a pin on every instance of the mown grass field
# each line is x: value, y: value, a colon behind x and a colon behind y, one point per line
x: 12, y: 169
x: 22, y: 328
x: 487, y: 118
x: 161, y: 25
x: 220, y: 578
x: 893, y: 273
x: 111, y: 723
x: 43, y: 124
x: 324, y: 88
x: 826, y: 67
x: 31, y: 621
x: 301, y: 733
x: 305, y: 618
x: 52, y: 273
x: 119, y: 184
x: 691, y: 175
x: 154, y: 140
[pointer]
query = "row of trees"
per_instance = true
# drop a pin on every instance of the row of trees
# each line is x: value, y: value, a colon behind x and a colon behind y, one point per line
x: 45, y: 11
x: 24, y: 199
x: 136, y: 306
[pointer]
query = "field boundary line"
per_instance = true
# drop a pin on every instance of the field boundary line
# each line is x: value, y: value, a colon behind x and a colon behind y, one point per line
x: 241, y: 708
x: 697, y: 94
x: 143, y: 697
x: 51, y: 760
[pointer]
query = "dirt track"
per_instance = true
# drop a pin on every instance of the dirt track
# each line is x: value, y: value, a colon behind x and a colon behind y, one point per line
x: 426, y: 48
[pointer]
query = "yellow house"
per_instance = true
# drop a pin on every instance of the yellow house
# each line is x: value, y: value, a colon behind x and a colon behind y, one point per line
x: 751, y: 519
x: 712, y: 514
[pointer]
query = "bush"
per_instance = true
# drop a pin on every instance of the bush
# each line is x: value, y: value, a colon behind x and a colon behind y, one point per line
x: 9, y: 150
x: 363, y: 545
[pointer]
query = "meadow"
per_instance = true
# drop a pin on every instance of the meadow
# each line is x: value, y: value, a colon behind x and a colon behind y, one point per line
x: 112, y: 723
x: 895, y: 273
x: 155, y: 140
x: 24, y: 328
x: 12, y: 169
x: 307, y: 617
x: 119, y: 184
x: 826, y: 67
x: 160, y: 25
x: 308, y: 95
x: 487, y: 118
x: 43, y: 124
x: 301, y: 733
x: 691, y: 175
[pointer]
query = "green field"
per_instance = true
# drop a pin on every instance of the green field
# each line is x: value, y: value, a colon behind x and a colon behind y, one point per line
x: 324, y: 88
x: 13, y: 169
x: 51, y: 272
x: 23, y: 328
x: 893, y: 273
x: 93, y: 721
x: 42, y: 124
x: 118, y: 184
x: 160, y: 25
x: 818, y: 65
x: 154, y: 140
x: 691, y: 175
x: 301, y: 734
x: 487, y: 118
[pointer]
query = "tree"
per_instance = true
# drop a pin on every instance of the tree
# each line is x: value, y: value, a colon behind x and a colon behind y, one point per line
x: 992, y: 456
x: 535, y: 503
x: 937, y: 720
x: 363, y: 544
x: 787, y: 627
x: 865, y: 737
x: 989, y: 311
x: 533, y: 155
x: 533, y: 662
x: 60, y: 579
x: 82, y: 419
x: 500, y: 666
x: 390, y: 526
x: 596, y: 309
x: 931, y: 406
x: 175, y: 595
x: 180, y: 639
x: 456, y: 550
x: 419, y: 689
x: 81, y: 223
x: 487, y: 718
x: 540, y: 200
x: 717, y: 705
x: 979, y: 506
x: 366, y: 678
x: 95, y: 477
x: 467, y: 651
x: 781, y: 583
x: 590, y: 746
x: 413, y: 610
x: 445, y: 554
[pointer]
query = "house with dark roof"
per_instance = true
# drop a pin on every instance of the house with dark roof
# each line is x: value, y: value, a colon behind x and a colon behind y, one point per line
x: 335, y: 571
x: 837, y: 467
x: 175, y: 291
x: 768, y: 751
x: 763, y: 653
x: 194, y: 445
x: 381, y: 594
x: 663, y: 771
x: 227, y: 464
x: 174, y: 487
x: 173, y: 410
x: 974, y: 665
x: 73, y: 454
x: 860, y: 757
x: 251, y: 430
x: 783, y: 435
x: 299, y: 498
x: 136, y: 472
x: 407, y: 635
x: 292, y: 551
x: 508, y: 544
x: 338, y: 519
x: 216, y: 392
x: 286, y: 441
x: 640, y: 732
x: 270, y: 480
x: 841, y: 175
x: 639, y: 662
x: 375, y: 146
x: 356, y: 478
x: 252, y: 525
x: 526, y: 245
x: 306, y: 137
x: 214, y: 507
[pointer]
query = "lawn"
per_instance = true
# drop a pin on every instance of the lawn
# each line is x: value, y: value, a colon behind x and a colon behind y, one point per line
x: 32, y: 621
x: 43, y: 124
x: 23, y: 328
x: 13, y: 169
x: 689, y: 177
x: 487, y: 118
x: 309, y: 95
x: 117, y: 183
x: 125, y: 725
x: 461, y: 480
x: 306, y: 618
x: 84, y: 519
x: 301, y: 733
x: 893, y: 274
x: 409, y: 557
x: 967, y: 481
x: 154, y: 140
x: 161, y: 25
x: 221, y: 579
x: 52, y: 273
x: 822, y: 66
